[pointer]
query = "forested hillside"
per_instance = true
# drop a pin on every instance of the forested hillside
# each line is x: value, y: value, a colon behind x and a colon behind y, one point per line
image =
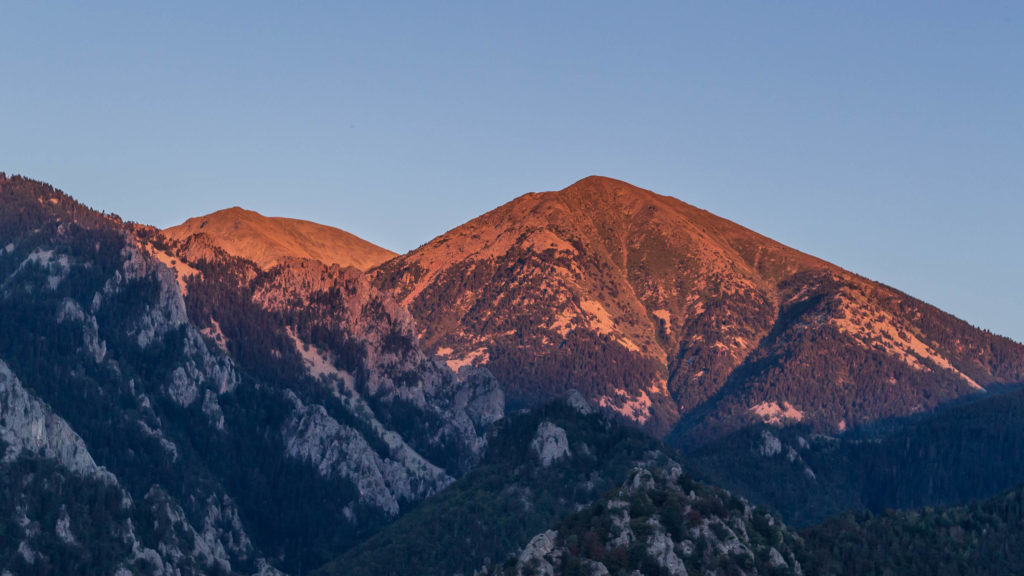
x: 962, y: 453
x: 982, y: 538
x: 564, y: 466
x: 661, y: 522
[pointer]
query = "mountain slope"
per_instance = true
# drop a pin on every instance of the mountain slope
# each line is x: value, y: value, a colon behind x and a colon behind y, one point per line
x: 167, y: 408
x: 97, y: 361
x: 268, y: 241
x: 661, y: 311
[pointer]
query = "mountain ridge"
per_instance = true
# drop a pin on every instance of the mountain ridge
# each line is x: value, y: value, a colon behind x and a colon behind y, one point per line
x: 673, y: 306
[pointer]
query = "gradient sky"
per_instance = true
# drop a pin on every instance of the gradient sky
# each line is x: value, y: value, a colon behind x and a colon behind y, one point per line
x: 887, y: 139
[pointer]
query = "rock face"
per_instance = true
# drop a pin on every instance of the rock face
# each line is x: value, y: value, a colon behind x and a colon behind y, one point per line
x: 663, y: 312
x: 363, y: 404
x: 383, y: 481
x: 269, y: 241
x: 536, y: 553
x: 99, y: 360
x: 550, y: 444
x: 379, y: 355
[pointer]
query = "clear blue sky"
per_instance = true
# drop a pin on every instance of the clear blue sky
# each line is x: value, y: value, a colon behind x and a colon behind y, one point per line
x: 887, y: 139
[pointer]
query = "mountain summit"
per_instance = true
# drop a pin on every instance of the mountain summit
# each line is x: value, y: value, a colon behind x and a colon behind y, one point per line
x: 267, y: 241
x: 664, y: 313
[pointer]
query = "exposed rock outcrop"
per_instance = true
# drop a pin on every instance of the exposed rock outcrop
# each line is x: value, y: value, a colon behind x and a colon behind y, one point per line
x: 550, y: 444
x: 29, y: 426
x: 385, y: 481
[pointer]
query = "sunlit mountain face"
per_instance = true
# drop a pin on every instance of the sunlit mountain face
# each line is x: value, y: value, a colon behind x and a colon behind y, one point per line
x: 679, y: 320
x: 269, y: 241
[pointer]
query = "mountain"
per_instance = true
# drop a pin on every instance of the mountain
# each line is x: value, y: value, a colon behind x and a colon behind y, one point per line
x: 167, y: 408
x: 268, y: 241
x: 678, y: 319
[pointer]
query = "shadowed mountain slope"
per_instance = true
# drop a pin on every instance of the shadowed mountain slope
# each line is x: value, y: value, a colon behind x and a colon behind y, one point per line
x: 166, y: 408
x: 959, y: 453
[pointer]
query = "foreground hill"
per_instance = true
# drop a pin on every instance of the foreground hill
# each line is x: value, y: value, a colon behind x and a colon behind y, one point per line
x: 269, y: 241
x: 666, y: 313
x: 661, y: 522
x: 565, y: 491
x: 615, y: 496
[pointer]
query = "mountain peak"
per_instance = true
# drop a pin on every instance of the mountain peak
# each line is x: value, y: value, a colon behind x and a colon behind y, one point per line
x: 603, y: 188
x: 596, y: 181
x: 268, y: 241
x: 235, y: 212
